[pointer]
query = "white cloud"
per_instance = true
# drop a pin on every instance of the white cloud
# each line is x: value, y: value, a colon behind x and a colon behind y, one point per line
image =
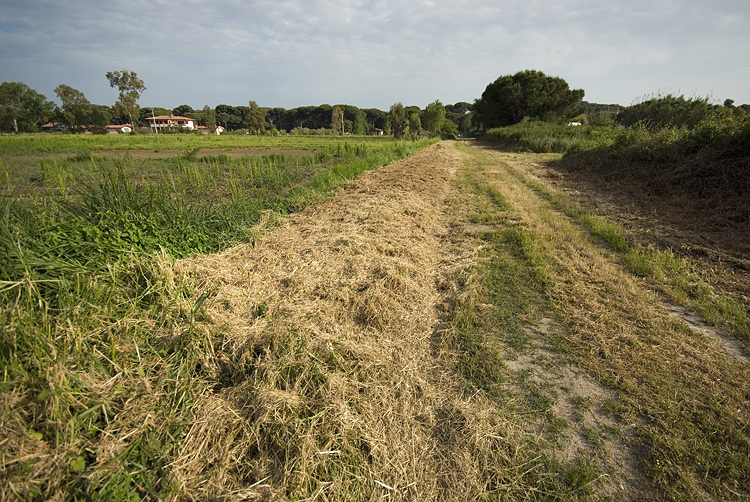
x: 372, y: 52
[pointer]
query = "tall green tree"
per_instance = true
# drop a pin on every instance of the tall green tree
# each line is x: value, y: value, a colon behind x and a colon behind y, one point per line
x: 397, y: 120
x: 76, y: 109
x: 360, y: 125
x: 415, y: 124
x: 225, y: 115
x: 449, y: 130
x: 130, y: 87
x: 183, y: 111
x: 277, y: 117
x: 460, y: 108
x: 255, y: 119
x: 99, y: 117
x: 22, y: 108
x: 527, y: 94
x: 433, y: 117
x: 210, y: 118
x: 376, y: 118
x: 337, y: 120
x: 458, y: 113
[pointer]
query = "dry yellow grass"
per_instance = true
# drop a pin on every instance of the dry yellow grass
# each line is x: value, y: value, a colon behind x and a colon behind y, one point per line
x: 326, y: 383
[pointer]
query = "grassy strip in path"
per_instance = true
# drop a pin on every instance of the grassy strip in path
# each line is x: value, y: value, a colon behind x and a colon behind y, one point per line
x: 494, y: 334
x: 686, y: 400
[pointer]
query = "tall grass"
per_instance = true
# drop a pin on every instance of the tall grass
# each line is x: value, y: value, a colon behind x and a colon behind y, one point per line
x: 27, y: 144
x: 120, y: 207
x: 639, y: 141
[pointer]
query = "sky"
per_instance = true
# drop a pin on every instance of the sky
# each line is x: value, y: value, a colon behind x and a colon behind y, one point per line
x: 374, y: 53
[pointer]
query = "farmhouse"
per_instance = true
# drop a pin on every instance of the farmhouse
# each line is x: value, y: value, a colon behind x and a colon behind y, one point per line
x: 53, y: 127
x: 170, y: 122
x: 119, y: 128
x: 204, y: 130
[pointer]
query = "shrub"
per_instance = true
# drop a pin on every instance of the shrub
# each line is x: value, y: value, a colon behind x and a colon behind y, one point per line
x: 670, y: 111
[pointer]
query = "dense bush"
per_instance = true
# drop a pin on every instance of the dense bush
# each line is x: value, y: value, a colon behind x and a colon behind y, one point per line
x: 671, y: 111
x: 304, y: 131
x: 724, y: 132
x: 703, y: 171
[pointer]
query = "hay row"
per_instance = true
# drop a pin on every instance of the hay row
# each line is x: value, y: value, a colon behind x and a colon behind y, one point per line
x: 327, y: 384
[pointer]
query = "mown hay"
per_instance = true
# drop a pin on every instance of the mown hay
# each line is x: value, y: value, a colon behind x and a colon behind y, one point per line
x: 325, y: 383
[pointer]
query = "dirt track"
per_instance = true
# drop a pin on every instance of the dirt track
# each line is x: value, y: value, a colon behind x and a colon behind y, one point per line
x: 335, y: 376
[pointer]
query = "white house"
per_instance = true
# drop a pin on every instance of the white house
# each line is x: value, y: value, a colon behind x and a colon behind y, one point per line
x: 204, y: 130
x: 119, y: 129
x: 170, y: 122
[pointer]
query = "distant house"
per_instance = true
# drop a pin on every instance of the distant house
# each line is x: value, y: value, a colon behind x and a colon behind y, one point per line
x: 377, y: 132
x: 204, y: 130
x: 119, y: 128
x: 170, y: 122
x: 53, y: 127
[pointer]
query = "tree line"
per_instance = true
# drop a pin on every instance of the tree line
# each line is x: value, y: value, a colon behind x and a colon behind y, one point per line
x: 510, y: 99
x: 435, y: 118
x: 23, y: 109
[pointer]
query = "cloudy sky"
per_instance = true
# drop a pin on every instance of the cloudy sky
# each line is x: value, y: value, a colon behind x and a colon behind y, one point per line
x: 372, y: 53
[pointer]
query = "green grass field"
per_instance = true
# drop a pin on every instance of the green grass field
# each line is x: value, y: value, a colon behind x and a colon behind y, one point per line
x: 66, y: 205
x: 451, y: 327
x: 29, y: 144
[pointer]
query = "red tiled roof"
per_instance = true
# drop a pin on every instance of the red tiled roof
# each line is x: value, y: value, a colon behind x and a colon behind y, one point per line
x: 168, y: 117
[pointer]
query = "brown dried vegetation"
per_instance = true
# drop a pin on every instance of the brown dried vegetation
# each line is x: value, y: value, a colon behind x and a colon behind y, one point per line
x: 324, y: 381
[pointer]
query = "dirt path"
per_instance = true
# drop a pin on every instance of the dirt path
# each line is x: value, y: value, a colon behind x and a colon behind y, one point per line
x: 330, y: 346
x: 656, y: 375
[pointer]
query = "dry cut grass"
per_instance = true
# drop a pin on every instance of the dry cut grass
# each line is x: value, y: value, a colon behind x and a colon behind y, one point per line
x: 326, y: 380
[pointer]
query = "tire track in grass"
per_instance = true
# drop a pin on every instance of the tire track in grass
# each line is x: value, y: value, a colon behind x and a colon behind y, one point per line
x: 564, y: 406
